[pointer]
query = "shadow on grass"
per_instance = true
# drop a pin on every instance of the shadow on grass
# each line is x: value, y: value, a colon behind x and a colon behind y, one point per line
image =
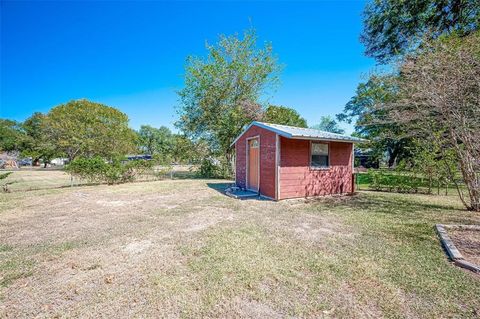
x: 383, y: 203
x: 222, y: 186
x: 219, y: 187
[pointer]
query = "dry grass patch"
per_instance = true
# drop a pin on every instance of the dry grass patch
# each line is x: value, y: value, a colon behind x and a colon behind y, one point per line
x: 181, y: 249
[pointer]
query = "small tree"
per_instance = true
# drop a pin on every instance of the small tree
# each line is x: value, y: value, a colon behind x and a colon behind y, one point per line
x: 439, y: 101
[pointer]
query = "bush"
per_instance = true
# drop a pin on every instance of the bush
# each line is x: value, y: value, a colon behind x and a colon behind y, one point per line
x: 97, y: 170
x: 213, y: 168
x: 402, y: 182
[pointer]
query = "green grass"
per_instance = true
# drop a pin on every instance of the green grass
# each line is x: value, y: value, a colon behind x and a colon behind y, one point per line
x: 393, y: 265
x: 15, y: 268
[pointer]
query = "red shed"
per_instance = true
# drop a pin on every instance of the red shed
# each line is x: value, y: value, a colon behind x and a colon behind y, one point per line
x: 280, y: 161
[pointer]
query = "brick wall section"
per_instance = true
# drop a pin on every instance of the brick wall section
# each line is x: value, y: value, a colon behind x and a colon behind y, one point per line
x: 297, y: 179
x: 267, y: 159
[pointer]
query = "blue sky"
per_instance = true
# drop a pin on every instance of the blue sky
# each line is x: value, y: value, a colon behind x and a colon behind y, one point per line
x: 131, y: 55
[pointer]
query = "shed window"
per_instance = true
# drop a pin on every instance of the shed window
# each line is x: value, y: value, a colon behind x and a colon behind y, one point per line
x: 319, y: 155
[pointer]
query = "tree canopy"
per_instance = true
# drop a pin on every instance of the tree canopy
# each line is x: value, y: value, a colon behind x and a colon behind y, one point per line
x: 370, y: 122
x: 155, y: 140
x: 438, y: 101
x: 38, y: 144
x: 84, y: 128
x: 223, y: 90
x: 395, y: 27
x: 12, y: 136
x: 328, y: 124
x: 283, y: 115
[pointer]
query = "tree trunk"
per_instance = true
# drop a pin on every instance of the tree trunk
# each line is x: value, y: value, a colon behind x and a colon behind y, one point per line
x: 392, y: 156
x: 470, y: 176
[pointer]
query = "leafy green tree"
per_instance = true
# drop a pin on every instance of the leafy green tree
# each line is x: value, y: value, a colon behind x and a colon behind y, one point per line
x: 84, y: 128
x: 38, y: 145
x: 156, y: 141
x: 283, y: 115
x: 371, y: 122
x: 222, y: 90
x: 187, y: 151
x: 395, y: 27
x: 12, y: 136
x: 328, y: 124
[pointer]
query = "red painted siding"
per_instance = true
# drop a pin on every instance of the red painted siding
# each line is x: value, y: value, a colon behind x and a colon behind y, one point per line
x: 297, y: 179
x: 267, y: 159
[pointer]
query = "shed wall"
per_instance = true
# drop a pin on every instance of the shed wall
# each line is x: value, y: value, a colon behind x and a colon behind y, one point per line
x: 297, y: 179
x: 267, y: 159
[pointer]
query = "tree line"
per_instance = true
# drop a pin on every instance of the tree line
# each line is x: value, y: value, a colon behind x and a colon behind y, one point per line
x: 84, y: 129
x: 423, y: 113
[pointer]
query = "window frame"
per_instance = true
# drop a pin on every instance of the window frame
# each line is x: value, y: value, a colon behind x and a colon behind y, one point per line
x: 313, y: 167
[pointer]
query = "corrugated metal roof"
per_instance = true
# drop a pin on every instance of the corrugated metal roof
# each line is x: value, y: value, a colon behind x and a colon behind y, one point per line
x: 302, y: 133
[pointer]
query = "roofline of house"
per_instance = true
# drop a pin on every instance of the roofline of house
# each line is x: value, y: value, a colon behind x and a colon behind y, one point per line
x: 288, y: 135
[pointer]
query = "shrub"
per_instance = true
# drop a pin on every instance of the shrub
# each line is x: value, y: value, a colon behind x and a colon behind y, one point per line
x: 395, y: 181
x: 97, y: 170
x: 212, y: 168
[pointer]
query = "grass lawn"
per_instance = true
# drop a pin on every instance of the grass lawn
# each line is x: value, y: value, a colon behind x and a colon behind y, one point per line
x: 180, y: 248
x: 37, y: 178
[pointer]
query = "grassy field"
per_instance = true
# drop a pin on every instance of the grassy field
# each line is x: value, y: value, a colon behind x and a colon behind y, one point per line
x: 27, y: 179
x: 181, y: 249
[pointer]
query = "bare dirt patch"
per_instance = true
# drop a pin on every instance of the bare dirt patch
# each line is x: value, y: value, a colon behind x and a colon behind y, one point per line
x: 468, y: 243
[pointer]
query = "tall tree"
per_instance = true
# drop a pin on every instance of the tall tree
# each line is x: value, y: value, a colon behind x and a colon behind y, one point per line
x: 84, y: 128
x: 395, y: 27
x: 439, y: 101
x: 328, y: 124
x: 283, y: 115
x: 222, y: 90
x: 383, y: 136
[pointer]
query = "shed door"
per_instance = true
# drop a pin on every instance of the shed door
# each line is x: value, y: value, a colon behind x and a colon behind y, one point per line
x: 253, y: 164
